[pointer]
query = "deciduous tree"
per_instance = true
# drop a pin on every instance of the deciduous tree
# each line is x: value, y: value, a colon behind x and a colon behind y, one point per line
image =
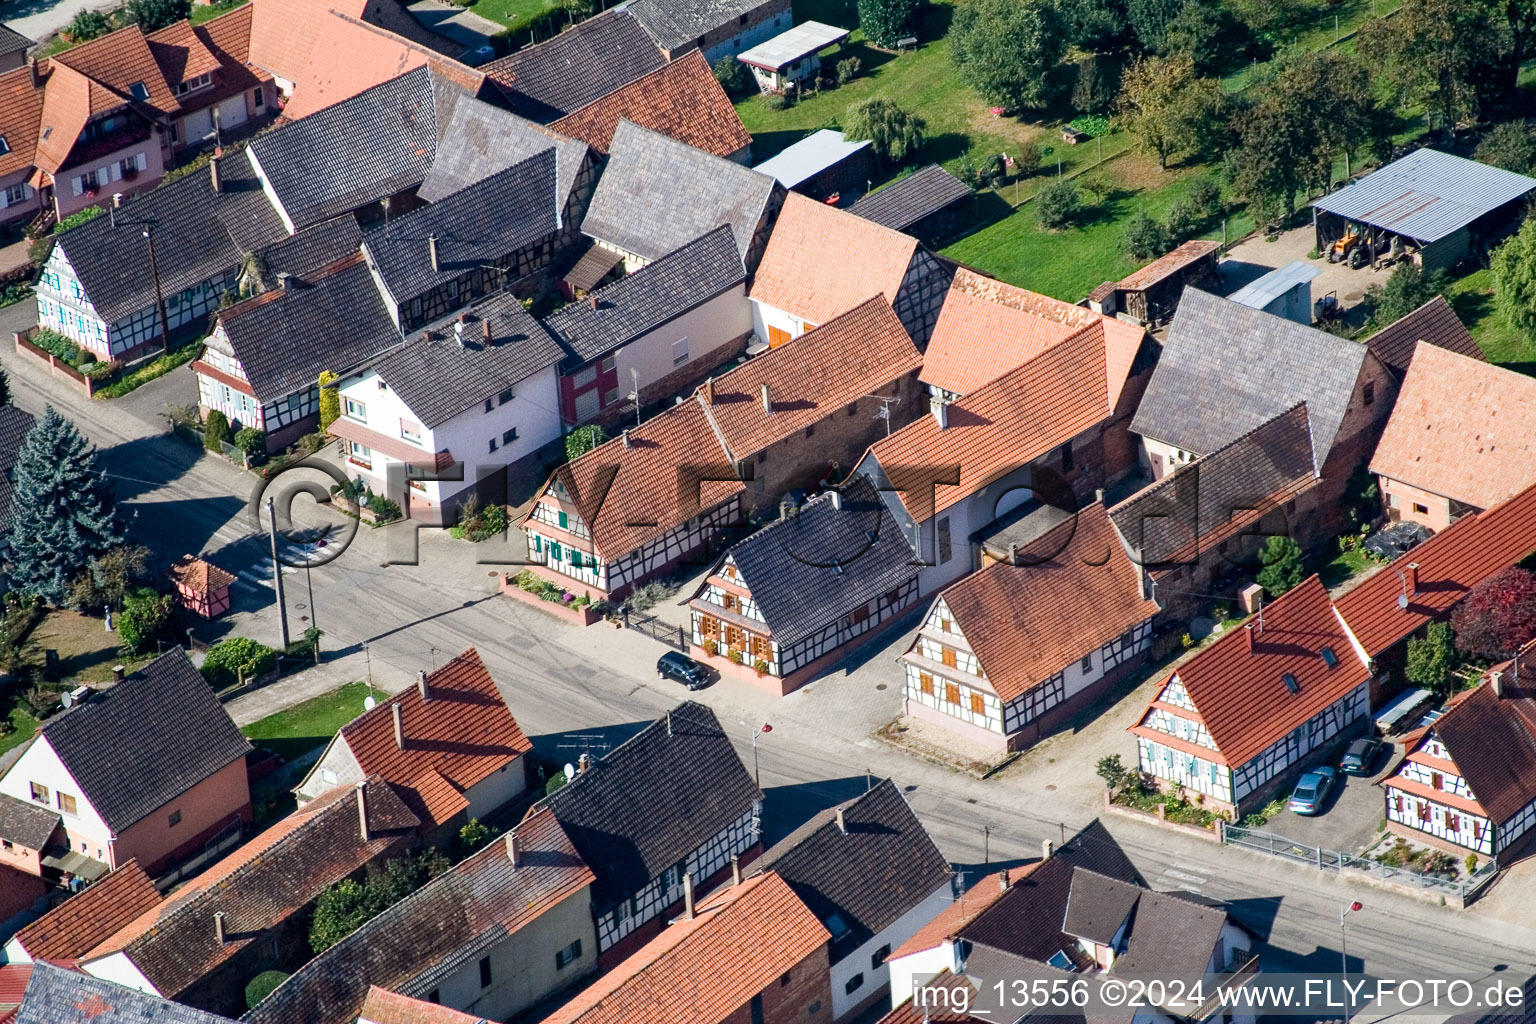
x: 1510, y: 145
x: 1498, y: 617
x: 894, y: 133
x: 1514, y: 276
x: 1007, y: 49
x: 886, y: 22
x: 1442, y: 53
x: 1156, y: 95
x: 153, y: 15
x: 1431, y: 658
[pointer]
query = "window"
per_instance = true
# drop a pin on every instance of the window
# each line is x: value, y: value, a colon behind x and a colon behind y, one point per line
x: 1421, y: 510
x: 200, y: 82
x: 259, y: 98
x: 854, y: 983
x: 942, y: 530
x: 1329, y: 658
x: 584, y: 376
x: 879, y: 956
x: 1087, y: 665
x: 39, y: 793
x: 978, y: 705
x: 925, y: 683
x: 679, y: 351
x: 509, y: 435
x: 356, y: 410
x: 568, y: 955
x: 485, y: 972
x: 1452, y: 823
x: 853, y: 408
x: 410, y: 431
x: 813, y: 1009
x: 328, y: 776
x: 783, y: 979
x: 762, y: 457
x: 139, y: 91
x: 490, y: 403
x: 493, y: 444
x: 606, y: 366
x: 1368, y: 393
x: 66, y: 803
x: 505, y: 397
x: 174, y: 818
x: 611, y: 396
x: 1066, y: 458
x: 951, y: 693
x: 360, y: 454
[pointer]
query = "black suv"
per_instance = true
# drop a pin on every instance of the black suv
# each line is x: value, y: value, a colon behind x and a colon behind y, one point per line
x: 682, y: 668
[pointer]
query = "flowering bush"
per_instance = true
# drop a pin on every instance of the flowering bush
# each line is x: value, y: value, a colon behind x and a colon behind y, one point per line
x: 710, y: 647
x: 735, y: 657
x: 761, y: 666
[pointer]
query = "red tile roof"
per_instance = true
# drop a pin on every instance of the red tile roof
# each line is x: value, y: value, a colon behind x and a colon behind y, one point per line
x: 21, y: 113
x: 987, y: 328
x: 1012, y: 615
x: 231, y: 33
x: 706, y: 969
x: 457, y: 738
x: 69, y: 100
x: 1165, y: 266
x: 197, y: 575
x: 385, y: 1007
x: 88, y: 918
x: 952, y: 919
x: 283, y: 32
x: 1004, y: 425
x: 1240, y: 691
x: 821, y: 262
x: 1450, y: 564
x: 1462, y: 428
x: 681, y: 100
x: 119, y: 61
x: 810, y: 378
x: 181, y: 53
x: 956, y: 990
x: 13, y: 984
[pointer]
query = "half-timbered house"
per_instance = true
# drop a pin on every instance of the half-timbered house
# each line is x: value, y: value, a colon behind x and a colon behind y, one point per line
x: 1008, y: 652
x: 787, y: 602
x: 1242, y: 717
x: 673, y: 802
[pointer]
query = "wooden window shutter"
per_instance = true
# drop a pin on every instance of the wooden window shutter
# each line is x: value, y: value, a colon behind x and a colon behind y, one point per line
x: 761, y: 648
x: 709, y: 626
x: 925, y: 683
x: 952, y: 693
x: 949, y: 658
x: 978, y: 706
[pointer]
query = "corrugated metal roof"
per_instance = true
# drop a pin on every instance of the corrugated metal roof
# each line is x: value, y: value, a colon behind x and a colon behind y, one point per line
x: 1274, y: 284
x: 809, y: 156
x: 804, y: 39
x: 1427, y: 195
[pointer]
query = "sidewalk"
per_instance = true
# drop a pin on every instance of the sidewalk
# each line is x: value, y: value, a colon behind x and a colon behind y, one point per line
x: 301, y: 686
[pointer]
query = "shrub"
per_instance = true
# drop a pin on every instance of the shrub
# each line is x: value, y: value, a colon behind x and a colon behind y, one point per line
x: 261, y: 986
x: 1432, y: 659
x: 1059, y: 205
x: 1498, y: 616
x: 1026, y: 160
x: 493, y: 520
x: 1145, y: 238
x: 1113, y: 771
x: 732, y: 75
x: 144, y: 614
x: 330, y: 400
x: 39, y: 249
x: 1184, y: 221
x: 236, y: 657
x: 1471, y: 863
x: 582, y: 440
x: 252, y: 441
x: 710, y: 647
x: 146, y: 372
x: 735, y: 657
x: 77, y: 218
x: 1282, y: 570
x: 894, y: 133
x: 87, y: 25
x: 649, y: 595
x: 473, y: 834
x: 848, y: 69
x: 886, y: 21
x: 556, y: 781
x: 385, y: 510
x: 216, y: 431
x: 761, y: 666
x: 776, y: 101
x: 1205, y: 196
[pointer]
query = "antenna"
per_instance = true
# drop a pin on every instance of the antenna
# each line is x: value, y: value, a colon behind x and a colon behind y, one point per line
x: 1402, y: 599
x: 884, y: 412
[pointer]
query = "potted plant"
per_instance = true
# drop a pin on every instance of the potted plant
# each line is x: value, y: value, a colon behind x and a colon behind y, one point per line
x: 735, y: 657
x: 710, y: 647
x: 761, y: 666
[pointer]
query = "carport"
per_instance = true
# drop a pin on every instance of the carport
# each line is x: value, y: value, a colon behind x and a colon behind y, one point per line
x: 1431, y: 207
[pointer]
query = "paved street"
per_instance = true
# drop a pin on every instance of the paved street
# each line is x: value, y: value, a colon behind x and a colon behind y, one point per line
x: 38, y: 19
x: 575, y: 690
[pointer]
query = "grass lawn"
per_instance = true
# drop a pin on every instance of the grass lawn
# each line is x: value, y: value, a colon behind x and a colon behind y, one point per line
x: 1343, y: 567
x: 207, y: 12
x: 303, y: 727
x: 23, y: 728
x: 87, y: 651
x: 513, y: 13
x: 1472, y: 298
x: 1351, y: 14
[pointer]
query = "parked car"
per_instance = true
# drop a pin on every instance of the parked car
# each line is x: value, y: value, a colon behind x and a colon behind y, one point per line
x: 1360, y: 756
x: 682, y: 668
x: 1311, y: 793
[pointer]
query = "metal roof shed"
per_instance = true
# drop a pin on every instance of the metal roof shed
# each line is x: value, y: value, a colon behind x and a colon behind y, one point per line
x: 791, y: 56
x: 1284, y: 292
x: 820, y: 164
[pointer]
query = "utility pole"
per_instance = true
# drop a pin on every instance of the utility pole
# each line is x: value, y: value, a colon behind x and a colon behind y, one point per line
x: 277, y: 573
x: 986, y: 845
x: 154, y: 272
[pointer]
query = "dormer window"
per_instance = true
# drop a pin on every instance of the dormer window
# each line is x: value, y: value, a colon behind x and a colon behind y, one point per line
x: 194, y: 84
x: 1291, y: 683
x: 5, y: 147
x: 139, y: 91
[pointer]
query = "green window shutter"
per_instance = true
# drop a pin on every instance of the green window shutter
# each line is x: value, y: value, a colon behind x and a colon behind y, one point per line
x: 538, y: 544
x: 575, y: 559
x: 554, y: 551
x: 565, y: 520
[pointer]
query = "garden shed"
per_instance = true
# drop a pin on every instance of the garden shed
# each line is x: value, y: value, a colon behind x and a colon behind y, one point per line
x: 201, y: 588
x: 923, y: 203
x: 792, y: 58
x: 823, y: 165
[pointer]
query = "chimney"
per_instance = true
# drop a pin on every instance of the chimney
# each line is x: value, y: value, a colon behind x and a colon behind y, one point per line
x: 687, y: 895
x: 709, y: 391
x: 625, y: 435
x: 218, y: 926
x: 117, y: 673
x: 735, y: 870
x: 1496, y: 681
x: 1248, y: 632
x: 767, y: 400
x: 1413, y: 578
x: 1002, y: 879
x: 422, y: 686
x: 1046, y: 849
x: 37, y: 79
x: 1013, y: 553
x: 432, y: 253
x: 842, y: 824
x: 399, y: 726
x: 837, y: 500
x: 362, y: 810
x: 583, y: 763
x: 487, y: 331
x: 285, y: 280
x: 592, y: 301
x: 514, y: 849
x: 215, y: 171
x: 941, y: 414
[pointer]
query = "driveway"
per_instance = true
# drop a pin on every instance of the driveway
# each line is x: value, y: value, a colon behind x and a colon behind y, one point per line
x: 1352, y: 820
x: 1254, y: 257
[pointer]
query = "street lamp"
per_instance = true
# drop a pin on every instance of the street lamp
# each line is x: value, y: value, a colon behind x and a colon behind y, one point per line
x: 1344, y: 912
x: 757, y: 778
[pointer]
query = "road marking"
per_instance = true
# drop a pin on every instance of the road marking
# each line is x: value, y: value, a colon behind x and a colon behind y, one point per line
x: 1183, y: 875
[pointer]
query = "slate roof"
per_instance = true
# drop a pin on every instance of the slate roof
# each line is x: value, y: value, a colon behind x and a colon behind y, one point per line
x: 1275, y: 364
x: 477, y: 140
x: 91, y: 916
x: 587, y: 61
x: 140, y: 744
x: 853, y: 259
x: 12, y: 41
x: 438, y: 378
x: 332, y: 319
x: 657, y: 194
x: 1073, y: 591
x: 1492, y: 741
x: 1434, y: 322
x: 310, y: 249
x: 482, y: 224
x: 1239, y: 691
x: 868, y: 873
x: 25, y: 823
x: 261, y: 886
x: 675, y: 23
x: 14, y: 425
x: 681, y: 100
x: 198, y: 233
x: 705, y: 969
x: 908, y: 200
x: 1427, y: 194
x: 813, y: 377
x: 56, y: 995
x: 815, y: 566
x: 453, y: 919
x: 1461, y: 428
x: 652, y: 800
x: 1168, y: 936
x: 1199, y: 505
x: 656, y: 294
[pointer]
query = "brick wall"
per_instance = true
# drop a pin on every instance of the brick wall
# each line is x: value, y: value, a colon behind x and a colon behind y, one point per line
x: 802, y: 996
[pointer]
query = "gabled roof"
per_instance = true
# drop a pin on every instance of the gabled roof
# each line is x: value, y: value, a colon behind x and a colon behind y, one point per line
x: 590, y: 60
x: 90, y: 917
x: 658, y: 194
x: 987, y: 327
x: 793, y: 44
x: 1461, y: 428
x: 12, y: 41
x: 261, y: 885
x: 482, y: 224
x: 438, y: 377
x: 21, y: 113
x: 908, y: 200
x: 853, y: 259
x: 862, y: 870
x: 662, y: 473
x: 198, y: 234
x: 435, y: 931
x: 385, y: 1007
x: 947, y: 923
x: 1427, y: 194
x: 181, y: 53
x: 1226, y: 368
x: 56, y: 995
x: 1201, y: 504
x: 332, y: 319
x: 27, y: 824
x: 68, y: 102
x: 477, y: 140
x: 463, y: 733
x: 1016, y: 419
x: 652, y: 800
x: 1449, y: 565
x: 947, y: 990
x: 681, y: 100
x: 1492, y: 740
x: 827, y: 559
x: 1073, y: 591
x: 845, y: 359
x: 705, y: 969
x: 119, y: 61
x: 656, y: 294
x: 14, y: 425
x: 1167, y: 935
x: 1434, y: 322
x: 1239, y: 684
x: 283, y: 32
x: 184, y: 51
x: 675, y: 23
x: 138, y: 745
x: 199, y: 576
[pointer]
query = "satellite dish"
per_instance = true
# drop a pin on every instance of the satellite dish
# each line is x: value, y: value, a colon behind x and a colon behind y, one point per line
x: 1402, y: 601
x: 369, y: 703
x: 570, y: 771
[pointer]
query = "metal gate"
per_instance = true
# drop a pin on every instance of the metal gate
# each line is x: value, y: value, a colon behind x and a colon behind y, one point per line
x: 673, y: 636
